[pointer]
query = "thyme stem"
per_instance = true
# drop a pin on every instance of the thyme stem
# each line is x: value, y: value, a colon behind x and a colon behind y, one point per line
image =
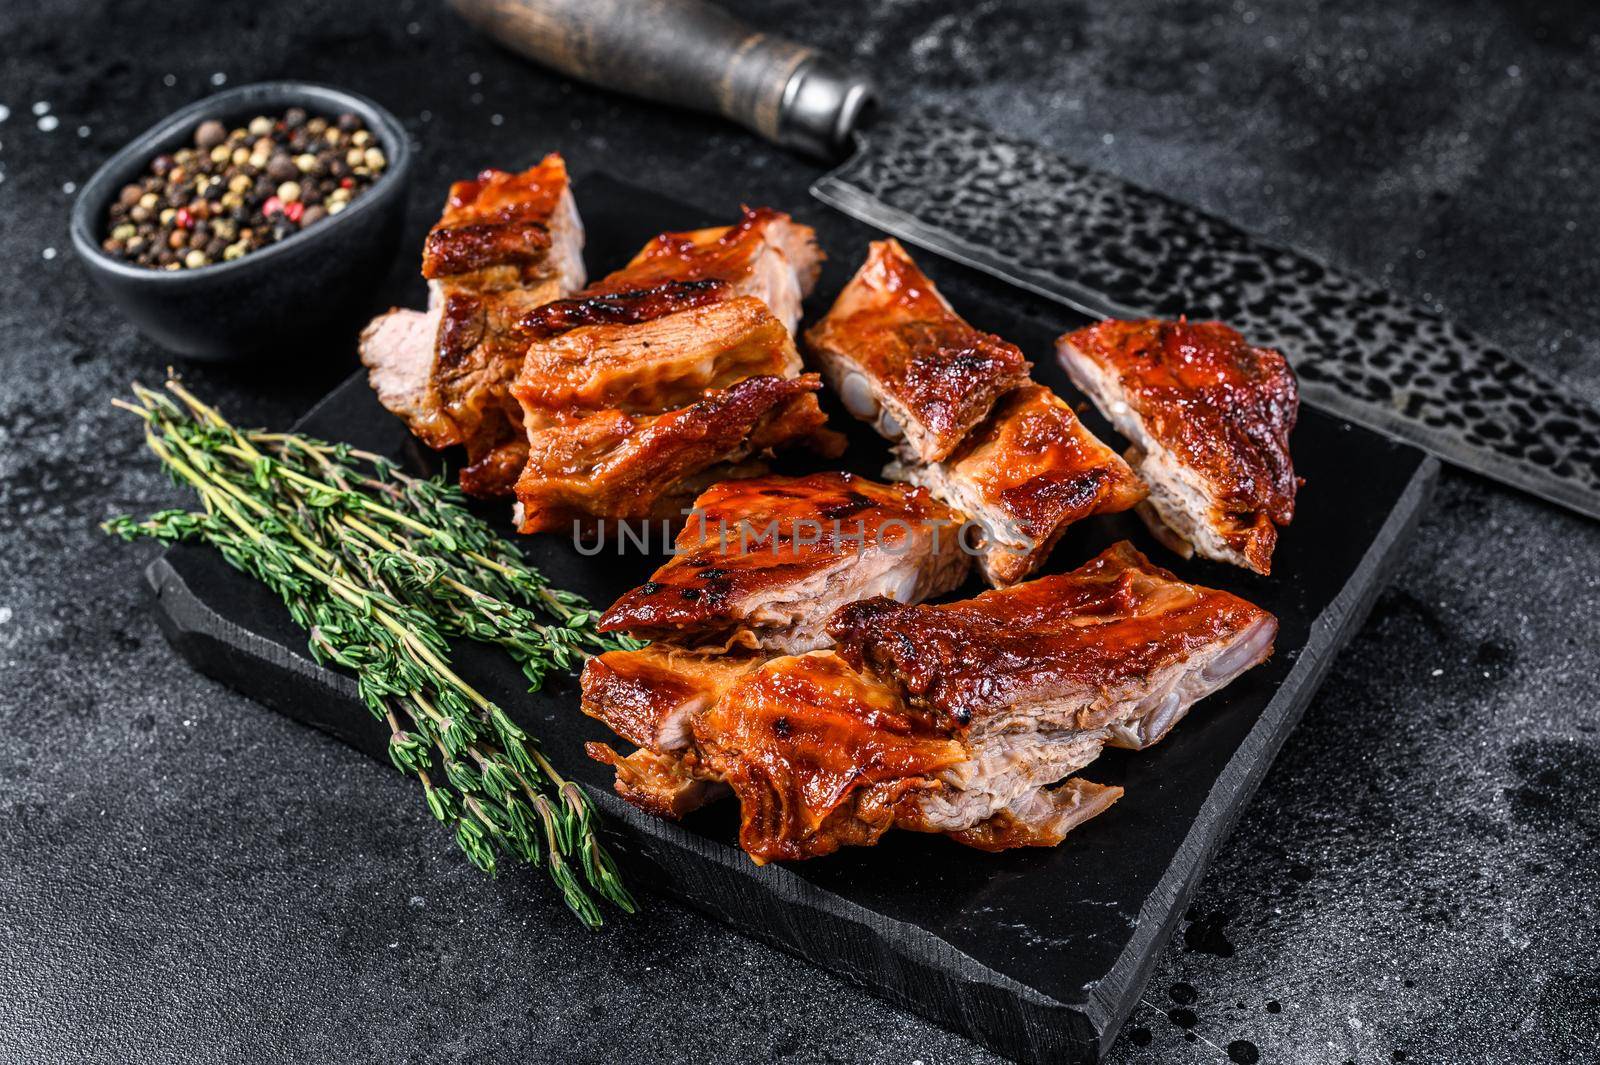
x: 382, y: 569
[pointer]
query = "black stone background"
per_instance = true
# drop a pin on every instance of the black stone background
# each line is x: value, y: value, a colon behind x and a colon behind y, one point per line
x: 188, y: 877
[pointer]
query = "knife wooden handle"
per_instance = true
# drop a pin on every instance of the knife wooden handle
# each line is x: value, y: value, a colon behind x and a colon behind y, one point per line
x: 690, y: 53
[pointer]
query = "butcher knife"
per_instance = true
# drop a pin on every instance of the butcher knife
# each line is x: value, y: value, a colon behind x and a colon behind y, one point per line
x: 1080, y: 236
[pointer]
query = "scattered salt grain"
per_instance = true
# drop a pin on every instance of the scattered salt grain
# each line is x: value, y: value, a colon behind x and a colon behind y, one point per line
x: 474, y: 78
x: 476, y: 98
x: 49, y: 253
x: 495, y: 120
x: 5, y: 112
x: 69, y: 187
x: 1438, y: 672
x: 425, y: 116
x: 41, y: 107
x: 5, y: 614
x: 1108, y: 138
x: 413, y: 28
x: 219, y: 78
x: 170, y: 80
x: 48, y: 123
x: 83, y: 131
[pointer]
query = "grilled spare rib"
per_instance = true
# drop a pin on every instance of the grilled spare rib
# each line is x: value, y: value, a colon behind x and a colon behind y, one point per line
x: 1024, y: 476
x: 764, y: 562
x: 901, y: 358
x: 822, y: 755
x: 589, y: 465
x: 650, y: 695
x: 766, y: 254
x: 652, y: 366
x: 1117, y: 645
x: 1209, y: 418
x: 966, y: 718
x: 505, y: 244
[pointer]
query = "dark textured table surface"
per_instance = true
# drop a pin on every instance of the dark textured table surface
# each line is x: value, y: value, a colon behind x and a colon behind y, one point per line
x: 188, y: 877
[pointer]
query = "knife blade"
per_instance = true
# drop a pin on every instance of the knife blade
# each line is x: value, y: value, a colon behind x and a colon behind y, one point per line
x: 1082, y: 237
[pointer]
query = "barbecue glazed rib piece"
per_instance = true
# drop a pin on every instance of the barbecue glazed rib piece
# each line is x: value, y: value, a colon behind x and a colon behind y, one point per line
x: 610, y: 464
x: 764, y: 562
x: 766, y: 254
x: 1024, y: 476
x: 652, y: 366
x: 820, y: 755
x: 966, y: 718
x: 505, y: 244
x: 1117, y: 645
x: 627, y: 378
x: 648, y: 696
x: 817, y: 754
x: 900, y: 358
x: 502, y: 231
x: 1209, y: 417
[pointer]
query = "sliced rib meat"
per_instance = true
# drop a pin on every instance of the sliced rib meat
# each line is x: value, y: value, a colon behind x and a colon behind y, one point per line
x: 901, y: 358
x: 1117, y: 644
x: 652, y: 366
x: 764, y: 562
x: 1209, y: 417
x: 821, y: 755
x: 1025, y: 475
x: 505, y: 244
x: 612, y: 465
x: 502, y: 230
x: 818, y: 755
x: 648, y: 696
x: 766, y: 255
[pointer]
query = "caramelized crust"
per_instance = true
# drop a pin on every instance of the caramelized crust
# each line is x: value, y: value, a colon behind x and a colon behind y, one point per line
x: 1025, y: 475
x: 647, y: 696
x: 505, y: 244
x: 817, y: 754
x: 726, y: 253
x: 1210, y: 418
x: 1087, y: 646
x: 766, y: 255
x: 609, y: 464
x: 900, y: 357
x: 622, y: 308
x: 820, y: 756
x: 497, y: 220
x: 764, y: 561
x: 654, y: 366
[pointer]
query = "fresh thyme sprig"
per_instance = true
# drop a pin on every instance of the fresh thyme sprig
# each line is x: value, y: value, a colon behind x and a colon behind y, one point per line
x: 381, y: 569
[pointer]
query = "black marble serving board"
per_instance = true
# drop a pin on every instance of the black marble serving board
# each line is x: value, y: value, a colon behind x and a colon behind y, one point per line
x: 1038, y: 954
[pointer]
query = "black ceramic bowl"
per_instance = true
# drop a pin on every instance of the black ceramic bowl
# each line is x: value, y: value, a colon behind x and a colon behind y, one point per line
x: 305, y: 293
